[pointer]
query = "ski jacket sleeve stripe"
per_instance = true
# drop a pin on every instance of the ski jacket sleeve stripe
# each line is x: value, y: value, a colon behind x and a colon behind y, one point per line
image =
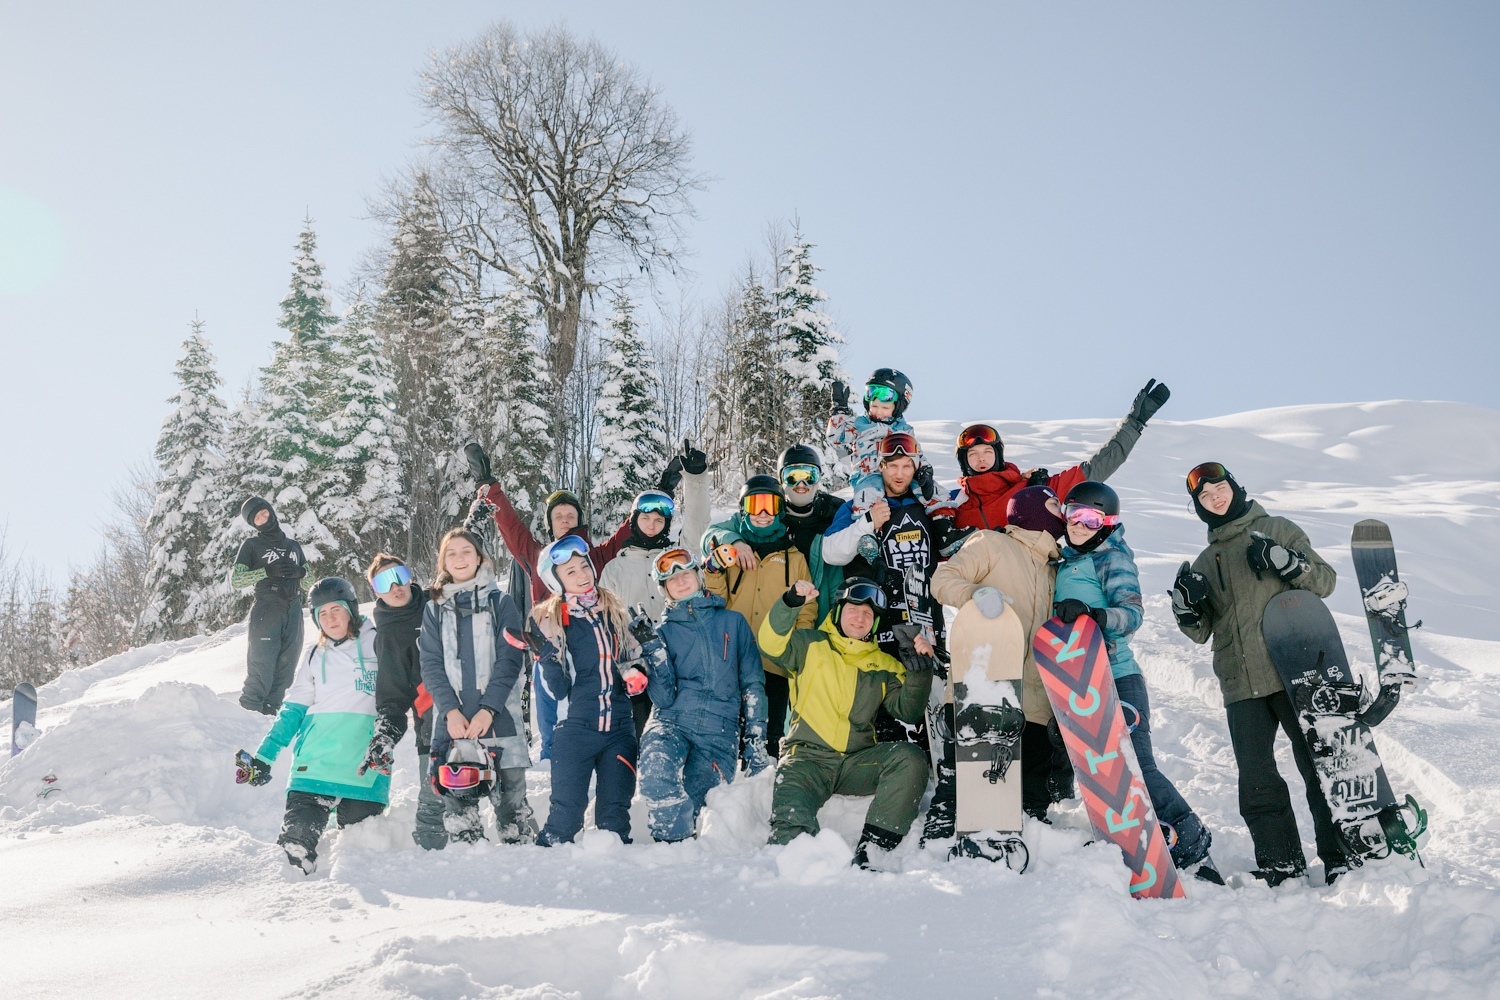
x: 507, y: 669
x: 434, y: 675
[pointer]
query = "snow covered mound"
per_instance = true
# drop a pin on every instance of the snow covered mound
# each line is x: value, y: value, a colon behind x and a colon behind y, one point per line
x: 132, y: 865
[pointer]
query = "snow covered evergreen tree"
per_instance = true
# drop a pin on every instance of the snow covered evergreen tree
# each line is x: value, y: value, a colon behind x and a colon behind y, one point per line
x: 521, y: 456
x: 632, y: 437
x: 762, y: 390
x: 185, y: 516
x: 288, y: 448
x: 358, y: 494
x: 809, y: 343
x: 217, y: 604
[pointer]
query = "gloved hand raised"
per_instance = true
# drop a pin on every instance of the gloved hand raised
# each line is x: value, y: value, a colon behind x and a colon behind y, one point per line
x: 1148, y: 401
x: 1189, y: 595
x: 1266, y: 553
x: 925, y: 483
x: 913, y: 649
x: 694, y: 460
x: 840, y: 397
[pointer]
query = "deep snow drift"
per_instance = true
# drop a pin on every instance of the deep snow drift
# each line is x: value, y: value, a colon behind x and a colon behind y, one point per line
x: 150, y: 873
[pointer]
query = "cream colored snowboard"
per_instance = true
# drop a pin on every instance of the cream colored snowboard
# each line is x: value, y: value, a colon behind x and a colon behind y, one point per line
x: 984, y: 675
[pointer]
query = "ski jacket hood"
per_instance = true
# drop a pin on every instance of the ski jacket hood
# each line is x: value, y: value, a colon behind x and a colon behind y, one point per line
x: 1237, y: 599
x: 1021, y: 565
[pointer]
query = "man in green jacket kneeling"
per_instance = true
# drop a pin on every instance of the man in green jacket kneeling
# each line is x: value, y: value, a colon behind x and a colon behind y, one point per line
x: 838, y: 680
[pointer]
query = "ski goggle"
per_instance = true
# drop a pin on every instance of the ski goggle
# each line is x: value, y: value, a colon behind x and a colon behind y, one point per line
x: 978, y: 434
x: 862, y: 593
x: 391, y: 576
x: 463, y: 777
x: 655, y: 503
x: 876, y: 393
x: 565, y: 548
x: 1208, y: 472
x: 672, y: 562
x: 899, y: 445
x: 794, y: 474
x: 1087, y: 517
x: 761, y: 503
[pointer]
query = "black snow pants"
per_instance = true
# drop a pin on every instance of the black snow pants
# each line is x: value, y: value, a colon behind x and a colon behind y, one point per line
x: 275, y: 634
x: 1265, y: 803
x: 307, y: 816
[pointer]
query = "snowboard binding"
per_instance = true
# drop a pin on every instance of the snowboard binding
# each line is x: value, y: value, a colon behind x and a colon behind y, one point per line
x: 1011, y: 850
x: 1376, y: 837
x: 1388, y: 600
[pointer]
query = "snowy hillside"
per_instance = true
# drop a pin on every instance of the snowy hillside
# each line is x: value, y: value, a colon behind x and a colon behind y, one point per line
x: 150, y: 873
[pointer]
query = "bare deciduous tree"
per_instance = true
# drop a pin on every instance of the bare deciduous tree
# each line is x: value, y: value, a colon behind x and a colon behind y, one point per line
x: 561, y: 160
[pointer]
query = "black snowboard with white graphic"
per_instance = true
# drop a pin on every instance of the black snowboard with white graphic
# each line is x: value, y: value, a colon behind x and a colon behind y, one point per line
x: 1384, y: 598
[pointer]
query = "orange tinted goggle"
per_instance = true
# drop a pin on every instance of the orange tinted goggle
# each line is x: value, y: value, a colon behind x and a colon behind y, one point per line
x: 1208, y: 472
x: 673, y: 561
x: 761, y: 503
x: 978, y: 434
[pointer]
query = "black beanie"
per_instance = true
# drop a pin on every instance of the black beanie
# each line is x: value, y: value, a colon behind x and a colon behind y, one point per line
x: 1236, y: 508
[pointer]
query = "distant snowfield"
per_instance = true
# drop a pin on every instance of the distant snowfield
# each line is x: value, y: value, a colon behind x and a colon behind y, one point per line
x: 151, y: 874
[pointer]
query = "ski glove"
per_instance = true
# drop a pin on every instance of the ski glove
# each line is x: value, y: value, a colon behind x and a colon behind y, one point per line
x: 953, y: 537
x: 1070, y: 609
x: 1148, y: 401
x: 840, y: 397
x: 653, y: 650
x: 635, y: 681
x: 479, y: 464
x: 753, y: 753
x: 1038, y: 477
x: 671, y: 476
x: 792, y: 599
x: 990, y: 601
x: 694, y: 460
x: 379, y: 755
x: 1189, y: 595
x: 250, y: 770
x: 906, y: 650
x: 925, y: 482
x: 1266, y: 553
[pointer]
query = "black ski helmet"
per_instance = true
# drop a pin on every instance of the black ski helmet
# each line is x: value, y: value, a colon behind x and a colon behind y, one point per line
x: 895, y: 380
x: 799, y: 454
x: 858, y: 590
x: 1090, y: 493
x: 762, y: 484
x: 961, y: 451
x: 334, y: 590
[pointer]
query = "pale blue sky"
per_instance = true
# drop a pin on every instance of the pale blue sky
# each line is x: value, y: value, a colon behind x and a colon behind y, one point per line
x: 1029, y: 208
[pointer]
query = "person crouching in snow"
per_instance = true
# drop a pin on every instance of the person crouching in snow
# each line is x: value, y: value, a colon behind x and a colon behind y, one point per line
x: 707, y: 687
x: 1097, y: 577
x: 586, y: 655
x: 474, y: 678
x: 839, y: 678
x: 328, y: 716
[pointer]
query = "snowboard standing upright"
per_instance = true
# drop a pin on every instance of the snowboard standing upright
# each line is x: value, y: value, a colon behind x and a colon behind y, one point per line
x: 23, y: 718
x: 985, y: 657
x: 1303, y: 642
x: 1074, y: 664
x: 1384, y: 598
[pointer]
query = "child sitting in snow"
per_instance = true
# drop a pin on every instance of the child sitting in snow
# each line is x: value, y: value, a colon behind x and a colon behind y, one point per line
x: 705, y: 682
x: 328, y: 716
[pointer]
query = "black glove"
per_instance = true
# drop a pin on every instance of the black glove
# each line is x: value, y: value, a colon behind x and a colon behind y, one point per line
x: 1070, y: 609
x: 1038, y: 477
x: 1149, y: 400
x: 925, y: 483
x: 694, y: 460
x: 1266, y: 553
x: 379, y: 755
x: 530, y: 640
x: 1189, y: 594
x: 840, y: 397
x: 671, y: 476
x: 793, y: 599
x: 250, y: 770
x: 906, y: 649
x: 479, y: 464
x: 642, y: 629
x: 951, y: 535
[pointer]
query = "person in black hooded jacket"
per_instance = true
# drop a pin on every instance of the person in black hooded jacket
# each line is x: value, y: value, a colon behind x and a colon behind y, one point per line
x: 275, y: 565
x: 399, y: 606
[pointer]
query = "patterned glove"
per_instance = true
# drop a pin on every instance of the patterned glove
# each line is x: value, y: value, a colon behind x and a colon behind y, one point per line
x: 1265, y: 553
x: 250, y: 770
x: 753, y: 753
x: 1189, y: 594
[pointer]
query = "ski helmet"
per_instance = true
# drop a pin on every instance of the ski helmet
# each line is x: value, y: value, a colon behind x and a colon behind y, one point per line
x: 672, y: 562
x: 556, y: 499
x: 1094, y: 507
x: 799, y: 454
x: 334, y: 590
x: 858, y: 590
x: 469, y: 772
x: 895, y: 381
x: 976, y: 434
x: 651, y: 502
x: 566, y: 548
x: 1100, y: 497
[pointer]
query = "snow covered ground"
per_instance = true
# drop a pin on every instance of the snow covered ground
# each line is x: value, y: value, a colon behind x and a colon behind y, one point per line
x: 150, y: 873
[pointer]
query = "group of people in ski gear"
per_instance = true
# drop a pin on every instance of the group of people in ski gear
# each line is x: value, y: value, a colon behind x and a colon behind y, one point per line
x: 804, y: 632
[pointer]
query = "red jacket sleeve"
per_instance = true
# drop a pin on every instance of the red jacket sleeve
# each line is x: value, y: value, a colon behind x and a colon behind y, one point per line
x: 1066, y: 480
x: 602, y: 553
x: 518, y: 538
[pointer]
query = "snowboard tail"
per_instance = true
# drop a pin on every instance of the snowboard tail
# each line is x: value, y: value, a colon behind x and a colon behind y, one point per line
x: 1074, y: 665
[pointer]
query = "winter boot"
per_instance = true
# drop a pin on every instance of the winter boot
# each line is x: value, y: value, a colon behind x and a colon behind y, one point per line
x: 1274, y: 875
x: 1189, y: 842
x: 300, y: 857
x: 883, y: 841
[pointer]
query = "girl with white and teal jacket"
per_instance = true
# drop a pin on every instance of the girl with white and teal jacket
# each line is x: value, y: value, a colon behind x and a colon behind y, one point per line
x: 1097, y: 577
x: 328, y: 718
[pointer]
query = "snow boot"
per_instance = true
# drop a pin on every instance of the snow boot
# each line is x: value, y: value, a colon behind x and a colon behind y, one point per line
x: 300, y: 857
x: 1277, y: 874
x: 883, y: 841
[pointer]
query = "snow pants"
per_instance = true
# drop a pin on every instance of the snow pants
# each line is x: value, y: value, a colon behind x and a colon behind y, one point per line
x: 807, y: 776
x: 1192, y: 839
x: 778, y: 700
x: 578, y: 754
x: 1265, y: 803
x: 275, y: 633
x: 460, y: 817
x: 307, y: 816
x: 678, y: 767
x: 543, y: 712
x: 429, y: 833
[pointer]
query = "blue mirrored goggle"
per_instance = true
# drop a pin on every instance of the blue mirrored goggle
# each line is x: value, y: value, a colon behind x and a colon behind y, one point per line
x: 657, y: 503
x: 391, y: 576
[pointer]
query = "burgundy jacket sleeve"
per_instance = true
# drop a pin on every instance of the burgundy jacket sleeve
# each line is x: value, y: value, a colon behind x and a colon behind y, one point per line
x: 606, y: 550
x: 518, y: 538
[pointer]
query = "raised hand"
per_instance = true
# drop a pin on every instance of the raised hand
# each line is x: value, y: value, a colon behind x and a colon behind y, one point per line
x: 1149, y: 400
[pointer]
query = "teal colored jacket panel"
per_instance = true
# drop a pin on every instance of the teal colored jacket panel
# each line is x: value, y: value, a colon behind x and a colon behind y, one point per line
x: 1106, y: 578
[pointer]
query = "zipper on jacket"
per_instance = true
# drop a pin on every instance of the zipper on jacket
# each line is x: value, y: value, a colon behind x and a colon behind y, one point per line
x: 1219, y: 566
x: 726, y: 646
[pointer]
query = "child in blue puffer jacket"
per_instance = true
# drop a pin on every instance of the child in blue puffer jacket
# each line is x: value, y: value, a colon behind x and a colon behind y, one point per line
x: 708, y: 690
x: 1098, y: 577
